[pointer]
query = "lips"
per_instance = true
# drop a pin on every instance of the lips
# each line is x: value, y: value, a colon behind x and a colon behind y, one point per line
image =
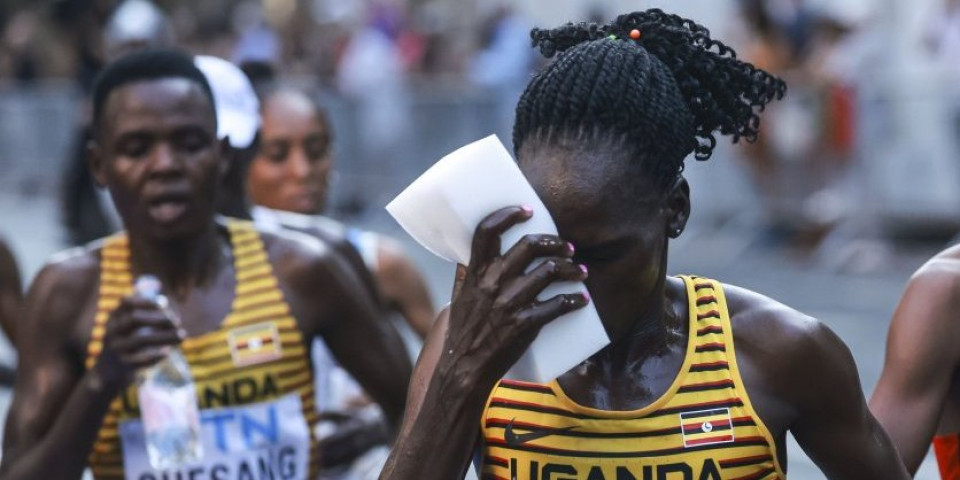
x: 167, y: 208
x: 167, y: 211
x: 304, y: 201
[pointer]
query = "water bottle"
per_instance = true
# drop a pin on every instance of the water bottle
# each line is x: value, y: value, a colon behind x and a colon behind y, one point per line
x: 168, y: 400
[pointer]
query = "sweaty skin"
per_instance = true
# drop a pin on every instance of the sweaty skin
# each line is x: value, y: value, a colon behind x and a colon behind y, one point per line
x: 801, y: 378
x: 291, y: 172
x: 11, y: 294
x: 918, y: 394
x: 156, y: 152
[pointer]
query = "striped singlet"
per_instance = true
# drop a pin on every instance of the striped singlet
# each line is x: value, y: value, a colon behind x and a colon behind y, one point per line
x: 252, y: 376
x: 947, y: 450
x: 702, y: 428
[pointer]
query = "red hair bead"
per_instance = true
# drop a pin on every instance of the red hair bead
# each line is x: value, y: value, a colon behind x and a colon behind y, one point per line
x: 635, y: 34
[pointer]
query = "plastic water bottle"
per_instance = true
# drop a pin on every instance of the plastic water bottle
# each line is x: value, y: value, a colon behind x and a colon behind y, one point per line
x: 168, y: 400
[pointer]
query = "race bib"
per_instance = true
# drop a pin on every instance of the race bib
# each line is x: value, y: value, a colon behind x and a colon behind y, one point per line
x: 268, y: 440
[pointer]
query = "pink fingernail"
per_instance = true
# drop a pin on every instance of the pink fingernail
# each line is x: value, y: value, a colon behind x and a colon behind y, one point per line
x: 571, y: 247
x: 583, y: 268
x: 528, y: 209
x: 586, y: 296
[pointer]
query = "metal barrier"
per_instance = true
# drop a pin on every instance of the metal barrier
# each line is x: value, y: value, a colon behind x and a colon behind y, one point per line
x: 37, y: 125
x: 906, y: 167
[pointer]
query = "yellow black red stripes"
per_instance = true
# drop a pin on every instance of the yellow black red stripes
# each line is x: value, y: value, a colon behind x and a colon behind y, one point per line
x: 704, y: 420
x: 257, y: 300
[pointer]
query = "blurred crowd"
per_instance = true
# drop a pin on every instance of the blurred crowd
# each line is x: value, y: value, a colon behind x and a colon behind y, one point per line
x: 329, y: 40
x: 838, y: 151
x: 806, y: 168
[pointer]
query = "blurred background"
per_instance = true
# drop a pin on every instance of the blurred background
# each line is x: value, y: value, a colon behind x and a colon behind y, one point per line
x: 854, y: 182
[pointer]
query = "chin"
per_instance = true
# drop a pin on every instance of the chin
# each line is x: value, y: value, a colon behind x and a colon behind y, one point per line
x: 175, y: 232
x: 303, y: 209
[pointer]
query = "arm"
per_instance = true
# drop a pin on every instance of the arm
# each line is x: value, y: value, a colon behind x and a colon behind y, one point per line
x: 58, y: 407
x: 404, y: 287
x: 10, y: 293
x: 922, y: 356
x: 339, y: 307
x: 341, y: 245
x: 833, y: 424
x: 432, y: 406
x: 490, y: 324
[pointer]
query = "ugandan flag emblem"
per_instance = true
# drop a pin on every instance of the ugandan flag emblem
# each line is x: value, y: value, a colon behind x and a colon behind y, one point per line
x: 254, y: 344
x: 706, y: 427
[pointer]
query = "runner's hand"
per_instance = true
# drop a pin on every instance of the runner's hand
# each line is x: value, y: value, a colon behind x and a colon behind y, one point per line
x: 496, y: 315
x: 354, y: 436
x: 139, y: 333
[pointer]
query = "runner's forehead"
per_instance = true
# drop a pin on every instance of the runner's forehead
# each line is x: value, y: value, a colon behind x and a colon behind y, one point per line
x: 155, y: 104
x: 589, y: 193
x: 291, y: 114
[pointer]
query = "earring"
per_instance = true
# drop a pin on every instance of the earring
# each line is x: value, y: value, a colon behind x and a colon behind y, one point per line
x: 676, y: 232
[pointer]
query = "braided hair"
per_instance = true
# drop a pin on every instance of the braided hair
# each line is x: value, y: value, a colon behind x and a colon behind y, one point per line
x: 654, y: 83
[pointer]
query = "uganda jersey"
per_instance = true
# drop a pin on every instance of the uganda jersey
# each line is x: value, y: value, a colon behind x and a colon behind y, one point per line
x: 702, y: 428
x: 253, y: 380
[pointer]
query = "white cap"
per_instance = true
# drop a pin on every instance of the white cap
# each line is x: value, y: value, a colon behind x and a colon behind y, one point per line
x: 238, y: 110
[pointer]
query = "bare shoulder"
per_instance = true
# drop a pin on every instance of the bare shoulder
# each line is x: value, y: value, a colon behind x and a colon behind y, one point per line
x: 297, y: 256
x: 67, y: 282
x: 71, y: 271
x: 788, y: 354
x: 392, y: 258
x: 924, y: 329
x: 761, y: 322
x: 942, y: 267
x: 935, y: 287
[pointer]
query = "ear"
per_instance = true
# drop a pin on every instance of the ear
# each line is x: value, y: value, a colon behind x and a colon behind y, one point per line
x: 678, y: 208
x: 95, y: 162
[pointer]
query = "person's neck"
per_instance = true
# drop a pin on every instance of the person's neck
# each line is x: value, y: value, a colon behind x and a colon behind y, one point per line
x: 648, y: 334
x: 651, y: 331
x: 235, y: 204
x: 179, y: 264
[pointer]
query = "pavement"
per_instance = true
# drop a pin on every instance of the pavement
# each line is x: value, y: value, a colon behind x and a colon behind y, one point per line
x: 856, y: 306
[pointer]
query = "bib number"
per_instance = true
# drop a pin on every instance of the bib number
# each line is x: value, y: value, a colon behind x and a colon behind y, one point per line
x: 264, y: 440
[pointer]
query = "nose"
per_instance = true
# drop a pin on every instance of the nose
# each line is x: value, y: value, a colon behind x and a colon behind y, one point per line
x: 300, y: 167
x: 164, y: 161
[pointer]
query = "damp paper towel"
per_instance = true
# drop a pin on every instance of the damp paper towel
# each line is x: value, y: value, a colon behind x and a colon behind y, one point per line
x: 443, y: 207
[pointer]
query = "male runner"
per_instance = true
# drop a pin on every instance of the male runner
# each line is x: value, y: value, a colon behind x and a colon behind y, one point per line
x: 917, y: 399
x: 248, y: 304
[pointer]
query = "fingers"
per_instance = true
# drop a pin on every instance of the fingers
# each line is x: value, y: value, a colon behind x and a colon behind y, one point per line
x: 145, y: 339
x: 144, y: 358
x: 139, y: 333
x: 542, y: 313
x: 530, y: 247
x: 137, y: 321
x: 486, y: 238
x: 524, y: 290
x: 134, y: 302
